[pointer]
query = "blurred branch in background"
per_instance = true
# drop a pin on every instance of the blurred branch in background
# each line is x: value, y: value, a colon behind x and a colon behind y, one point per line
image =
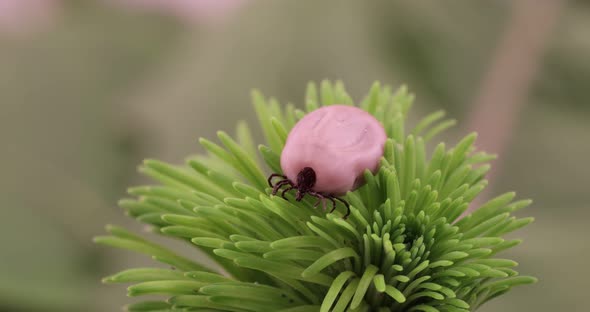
x: 506, y: 84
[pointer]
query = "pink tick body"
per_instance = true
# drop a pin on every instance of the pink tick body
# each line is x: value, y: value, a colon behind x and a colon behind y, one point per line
x: 327, y: 152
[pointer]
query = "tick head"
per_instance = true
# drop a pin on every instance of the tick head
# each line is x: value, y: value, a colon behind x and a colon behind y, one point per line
x: 305, y: 181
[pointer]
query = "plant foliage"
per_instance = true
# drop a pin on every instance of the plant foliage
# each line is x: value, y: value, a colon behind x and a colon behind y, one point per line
x: 403, y: 248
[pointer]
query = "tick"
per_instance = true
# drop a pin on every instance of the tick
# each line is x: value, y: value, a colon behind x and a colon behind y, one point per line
x: 327, y: 152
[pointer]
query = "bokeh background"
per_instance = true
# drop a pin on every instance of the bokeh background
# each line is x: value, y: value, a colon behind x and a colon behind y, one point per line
x: 90, y: 88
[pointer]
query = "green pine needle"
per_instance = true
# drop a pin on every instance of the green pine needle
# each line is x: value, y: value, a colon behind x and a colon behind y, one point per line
x: 402, y: 249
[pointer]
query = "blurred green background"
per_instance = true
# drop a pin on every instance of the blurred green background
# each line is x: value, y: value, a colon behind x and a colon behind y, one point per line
x: 90, y: 88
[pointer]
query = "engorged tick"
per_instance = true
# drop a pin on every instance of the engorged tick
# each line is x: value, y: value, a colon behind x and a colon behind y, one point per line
x: 327, y: 152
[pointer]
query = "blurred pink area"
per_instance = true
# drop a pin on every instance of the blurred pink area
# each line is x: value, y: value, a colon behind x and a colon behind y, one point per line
x: 190, y: 11
x: 24, y: 16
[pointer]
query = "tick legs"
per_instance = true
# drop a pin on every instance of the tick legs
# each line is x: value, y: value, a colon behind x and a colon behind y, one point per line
x: 281, y: 183
x: 321, y: 197
x: 274, y: 175
x: 345, y: 204
x: 286, y: 190
x: 277, y: 186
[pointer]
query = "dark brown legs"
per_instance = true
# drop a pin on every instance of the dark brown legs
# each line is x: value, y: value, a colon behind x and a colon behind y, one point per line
x: 275, y: 175
x: 284, y: 181
x: 333, y: 199
x: 320, y: 196
x: 346, y: 204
